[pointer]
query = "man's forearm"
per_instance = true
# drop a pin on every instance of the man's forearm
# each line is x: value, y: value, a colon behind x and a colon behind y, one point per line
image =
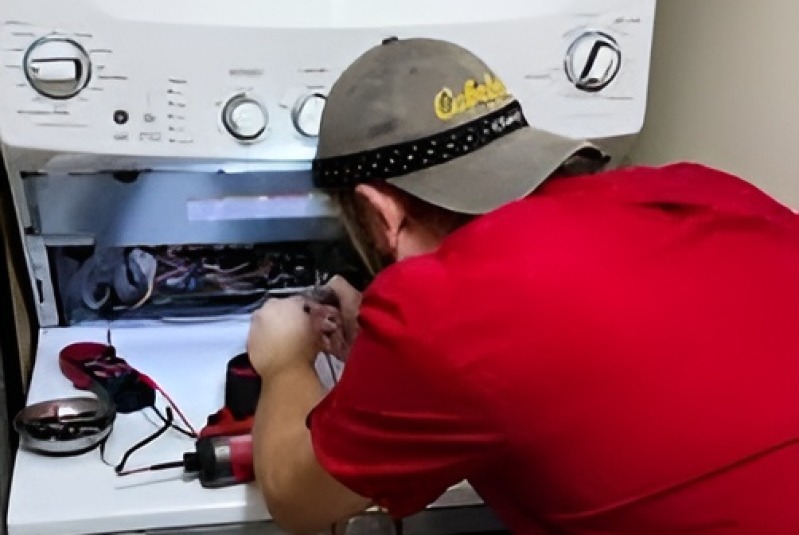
x: 300, y: 495
x: 279, y: 431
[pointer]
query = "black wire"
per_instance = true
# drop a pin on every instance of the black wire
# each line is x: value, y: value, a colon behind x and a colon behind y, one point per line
x: 168, y: 422
x: 174, y: 426
x: 153, y: 468
x: 166, y: 466
x: 119, y: 467
x: 102, y: 452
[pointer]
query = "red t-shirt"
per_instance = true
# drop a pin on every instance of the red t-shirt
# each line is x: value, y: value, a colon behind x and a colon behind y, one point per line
x: 616, y: 354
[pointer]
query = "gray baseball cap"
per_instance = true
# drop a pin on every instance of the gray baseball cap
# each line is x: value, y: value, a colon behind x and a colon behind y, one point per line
x: 434, y: 120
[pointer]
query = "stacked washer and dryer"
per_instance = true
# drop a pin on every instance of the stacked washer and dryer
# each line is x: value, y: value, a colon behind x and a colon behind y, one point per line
x: 183, y: 126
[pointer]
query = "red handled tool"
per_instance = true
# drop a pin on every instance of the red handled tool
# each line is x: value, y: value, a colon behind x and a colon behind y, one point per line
x: 223, y: 453
x: 97, y: 367
x: 221, y: 461
x: 242, y: 388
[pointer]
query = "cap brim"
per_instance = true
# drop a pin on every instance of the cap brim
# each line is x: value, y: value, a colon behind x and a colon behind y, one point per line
x: 508, y: 169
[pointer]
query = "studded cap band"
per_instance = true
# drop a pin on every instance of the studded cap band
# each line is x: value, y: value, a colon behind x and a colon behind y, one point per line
x: 392, y: 161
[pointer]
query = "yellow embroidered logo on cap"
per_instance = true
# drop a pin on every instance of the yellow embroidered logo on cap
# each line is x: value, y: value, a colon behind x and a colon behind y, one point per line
x: 448, y: 105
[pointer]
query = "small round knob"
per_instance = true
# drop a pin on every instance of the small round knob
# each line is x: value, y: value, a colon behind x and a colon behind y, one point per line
x: 593, y: 61
x: 57, y: 67
x: 245, y: 118
x: 306, y: 115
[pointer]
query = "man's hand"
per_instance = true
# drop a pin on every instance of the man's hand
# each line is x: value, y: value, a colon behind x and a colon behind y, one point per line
x: 349, y: 303
x: 288, y: 332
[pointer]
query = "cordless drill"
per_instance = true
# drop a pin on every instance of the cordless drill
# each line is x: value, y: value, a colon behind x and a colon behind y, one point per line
x: 223, y: 451
x: 221, y: 461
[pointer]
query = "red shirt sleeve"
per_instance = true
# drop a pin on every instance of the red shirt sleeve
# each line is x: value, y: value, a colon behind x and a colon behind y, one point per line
x: 402, y: 425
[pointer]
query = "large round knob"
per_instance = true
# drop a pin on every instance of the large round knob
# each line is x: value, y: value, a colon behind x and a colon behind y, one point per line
x: 306, y: 115
x: 593, y: 61
x: 245, y: 118
x: 57, y: 67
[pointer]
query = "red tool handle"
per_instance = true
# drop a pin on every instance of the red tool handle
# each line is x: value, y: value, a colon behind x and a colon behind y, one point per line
x: 241, y: 462
x: 72, y: 358
x: 222, y: 461
x: 223, y: 423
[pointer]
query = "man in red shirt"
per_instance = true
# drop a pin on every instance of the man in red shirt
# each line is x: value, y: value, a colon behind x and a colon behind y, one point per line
x: 599, y: 353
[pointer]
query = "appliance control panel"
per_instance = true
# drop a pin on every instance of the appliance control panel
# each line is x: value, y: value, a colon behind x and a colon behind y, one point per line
x: 243, y: 81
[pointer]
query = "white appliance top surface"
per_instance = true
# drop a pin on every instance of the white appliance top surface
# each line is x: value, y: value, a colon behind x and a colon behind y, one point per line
x: 233, y: 82
x: 81, y: 495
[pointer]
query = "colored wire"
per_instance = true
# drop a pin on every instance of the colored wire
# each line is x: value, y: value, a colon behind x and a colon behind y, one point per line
x: 329, y: 360
x: 121, y: 466
x: 176, y: 427
x: 152, y: 468
x: 150, y: 382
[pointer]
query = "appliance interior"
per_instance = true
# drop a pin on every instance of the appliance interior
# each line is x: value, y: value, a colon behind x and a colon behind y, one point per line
x: 170, y: 244
x: 158, y: 156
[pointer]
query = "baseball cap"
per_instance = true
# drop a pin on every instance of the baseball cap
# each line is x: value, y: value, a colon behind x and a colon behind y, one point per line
x: 431, y: 118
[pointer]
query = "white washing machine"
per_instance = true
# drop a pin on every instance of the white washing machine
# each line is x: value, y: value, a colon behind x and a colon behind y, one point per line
x: 178, y: 126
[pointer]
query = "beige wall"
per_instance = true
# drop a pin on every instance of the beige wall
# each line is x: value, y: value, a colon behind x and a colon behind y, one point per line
x: 725, y: 90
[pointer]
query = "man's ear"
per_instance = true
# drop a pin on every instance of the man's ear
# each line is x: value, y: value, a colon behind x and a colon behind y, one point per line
x: 385, y: 217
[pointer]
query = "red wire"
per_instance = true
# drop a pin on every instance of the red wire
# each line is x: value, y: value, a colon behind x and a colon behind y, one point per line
x: 149, y: 381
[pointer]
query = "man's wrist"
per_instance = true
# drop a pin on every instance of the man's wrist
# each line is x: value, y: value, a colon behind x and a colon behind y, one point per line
x: 285, y: 371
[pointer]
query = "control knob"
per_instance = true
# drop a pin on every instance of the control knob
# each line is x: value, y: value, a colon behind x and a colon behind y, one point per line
x: 593, y: 61
x: 306, y: 115
x: 57, y: 67
x: 245, y: 118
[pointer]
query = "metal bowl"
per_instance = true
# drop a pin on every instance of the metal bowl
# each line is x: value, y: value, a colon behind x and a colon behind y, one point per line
x: 66, y: 426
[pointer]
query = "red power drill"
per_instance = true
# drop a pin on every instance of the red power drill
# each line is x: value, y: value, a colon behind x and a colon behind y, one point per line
x: 223, y: 453
x: 221, y: 461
